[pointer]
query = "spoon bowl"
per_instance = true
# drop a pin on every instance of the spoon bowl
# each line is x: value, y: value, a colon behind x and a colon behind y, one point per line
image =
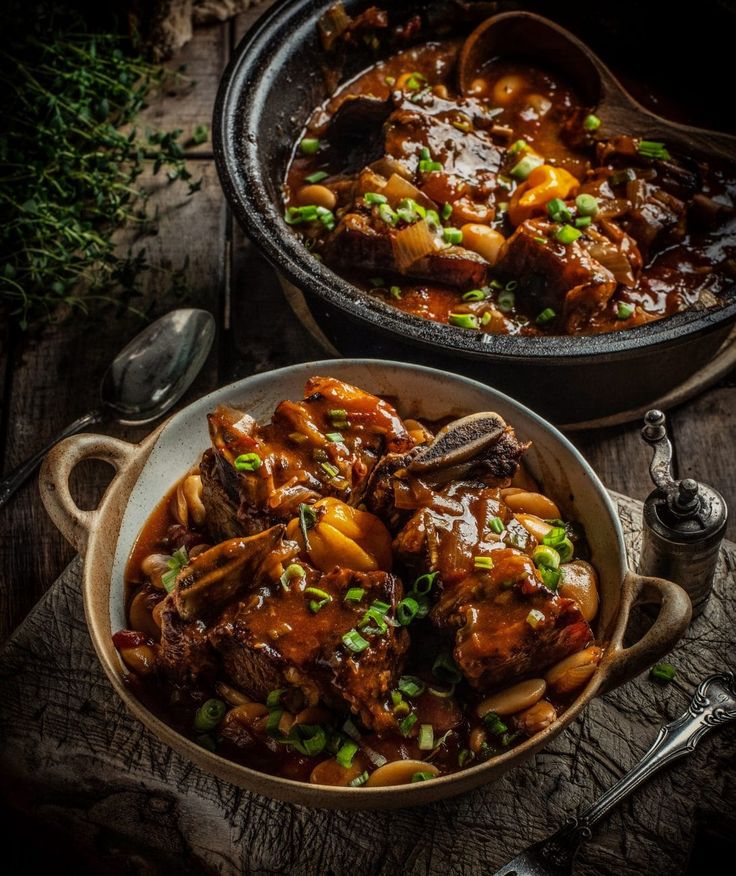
x: 147, y: 378
x: 546, y: 44
x: 151, y: 373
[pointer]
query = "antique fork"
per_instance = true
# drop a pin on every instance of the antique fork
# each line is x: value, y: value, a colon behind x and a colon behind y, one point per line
x: 713, y: 704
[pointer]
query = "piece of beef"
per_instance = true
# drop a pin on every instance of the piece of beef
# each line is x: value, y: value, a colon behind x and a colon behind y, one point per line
x: 564, y: 277
x: 358, y: 242
x: 506, y: 623
x: 295, y: 460
x: 655, y: 218
x: 274, y: 639
x: 204, y: 587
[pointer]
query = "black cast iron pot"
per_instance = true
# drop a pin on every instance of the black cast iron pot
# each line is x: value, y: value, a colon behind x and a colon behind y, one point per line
x: 278, y: 75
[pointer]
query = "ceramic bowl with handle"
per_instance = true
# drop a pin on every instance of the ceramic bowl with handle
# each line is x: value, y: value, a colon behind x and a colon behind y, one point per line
x: 146, y: 471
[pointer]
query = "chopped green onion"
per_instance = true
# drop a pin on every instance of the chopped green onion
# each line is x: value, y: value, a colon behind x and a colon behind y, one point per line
x: 316, y: 177
x: 387, y: 214
x: 339, y: 414
x: 508, y: 738
x: 354, y: 594
x: 424, y: 583
x: 506, y: 300
x: 273, y: 700
x: 346, y: 753
x: 550, y: 577
x: 494, y: 724
x: 293, y: 570
x: 248, y: 462
x: 555, y: 536
x: 411, y: 685
x: 354, y: 641
x: 583, y: 221
x: 545, y: 555
x: 323, y: 598
x: 335, y: 437
x: 535, y: 618
x: 206, y: 741
x: 308, y: 739
x: 307, y: 519
x: 407, y: 723
x: 401, y: 708
x: 541, y: 240
x: 395, y: 292
x: 486, y: 318
x: 525, y: 166
x: 662, y: 673
x: 464, y: 320
x: 433, y: 218
x: 374, y: 198
x: 445, y: 669
x: 329, y: 469
x: 547, y: 315
x: 653, y: 149
x: 429, y: 166
x: 415, y: 81
x: 209, y: 715
x: 567, y: 234
x: 558, y: 211
x: 309, y: 145
x: 464, y: 756
x: 475, y: 295
x: 518, y: 146
x: 426, y: 737
x: 453, y: 236
x: 407, y: 610
x: 422, y: 776
x: 587, y: 205
x: 298, y: 437
x: 424, y: 153
x: 591, y: 122
x: 483, y: 563
x: 326, y: 217
x: 272, y: 725
x: 373, y: 621
x: 359, y: 780
x: 446, y: 212
x: 382, y: 607
x: 624, y: 310
x: 176, y: 563
x: 496, y: 525
x: 565, y: 549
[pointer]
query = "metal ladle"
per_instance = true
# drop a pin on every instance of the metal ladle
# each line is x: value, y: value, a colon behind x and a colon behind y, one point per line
x: 147, y: 377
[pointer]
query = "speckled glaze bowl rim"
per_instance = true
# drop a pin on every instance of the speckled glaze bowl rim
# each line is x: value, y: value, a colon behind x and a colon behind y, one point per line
x: 103, y: 527
x: 240, y: 101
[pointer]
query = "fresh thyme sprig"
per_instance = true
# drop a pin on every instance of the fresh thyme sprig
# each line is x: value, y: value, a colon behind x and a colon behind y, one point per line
x: 70, y: 162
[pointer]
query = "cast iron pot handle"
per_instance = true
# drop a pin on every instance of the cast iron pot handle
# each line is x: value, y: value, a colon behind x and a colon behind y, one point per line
x: 74, y: 523
x: 622, y: 664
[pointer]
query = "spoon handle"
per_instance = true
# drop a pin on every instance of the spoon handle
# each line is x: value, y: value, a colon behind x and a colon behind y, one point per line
x: 18, y: 476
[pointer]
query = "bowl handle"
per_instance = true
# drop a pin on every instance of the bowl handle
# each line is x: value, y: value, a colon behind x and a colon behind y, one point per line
x: 74, y: 523
x: 622, y: 664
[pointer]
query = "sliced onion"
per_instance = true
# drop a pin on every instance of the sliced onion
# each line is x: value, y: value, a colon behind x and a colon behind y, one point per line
x: 413, y: 243
x: 614, y: 260
x: 397, y: 188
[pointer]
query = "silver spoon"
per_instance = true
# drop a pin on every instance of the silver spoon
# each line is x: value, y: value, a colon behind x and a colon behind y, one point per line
x: 145, y: 379
x: 713, y: 704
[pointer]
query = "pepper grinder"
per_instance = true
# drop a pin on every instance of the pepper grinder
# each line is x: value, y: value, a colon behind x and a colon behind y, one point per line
x: 683, y: 522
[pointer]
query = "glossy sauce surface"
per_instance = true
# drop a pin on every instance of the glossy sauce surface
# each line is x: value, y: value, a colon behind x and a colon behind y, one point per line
x: 472, y: 138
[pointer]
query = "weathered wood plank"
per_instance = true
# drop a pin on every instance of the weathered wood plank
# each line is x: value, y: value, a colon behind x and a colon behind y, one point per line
x: 57, y: 372
x: 189, y: 102
x: 245, y: 20
x: 75, y: 759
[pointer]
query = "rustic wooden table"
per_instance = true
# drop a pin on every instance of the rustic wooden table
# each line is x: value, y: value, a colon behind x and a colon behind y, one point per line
x: 49, y: 377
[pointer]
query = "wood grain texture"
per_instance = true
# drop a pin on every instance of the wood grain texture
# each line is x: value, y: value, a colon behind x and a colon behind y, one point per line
x: 75, y: 758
